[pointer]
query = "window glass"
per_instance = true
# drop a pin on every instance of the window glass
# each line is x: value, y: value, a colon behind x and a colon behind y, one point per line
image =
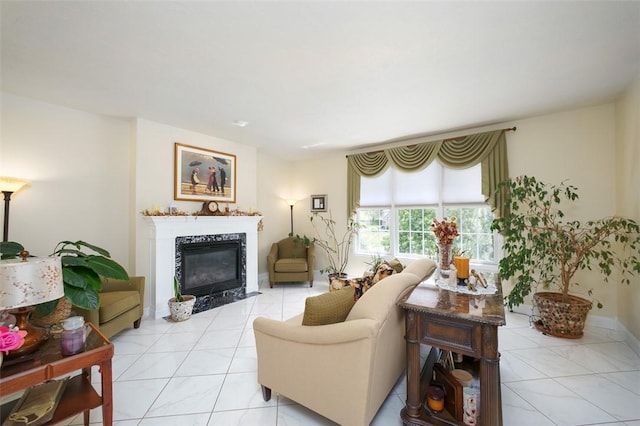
x: 375, y: 236
x: 398, y: 209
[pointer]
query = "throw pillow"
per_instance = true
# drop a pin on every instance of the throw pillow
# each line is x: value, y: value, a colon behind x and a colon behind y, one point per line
x: 328, y: 308
x: 395, y: 264
x: 383, y: 271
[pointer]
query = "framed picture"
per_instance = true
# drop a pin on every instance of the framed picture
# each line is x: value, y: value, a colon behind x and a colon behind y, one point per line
x: 319, y: 203
x: 204, y: 175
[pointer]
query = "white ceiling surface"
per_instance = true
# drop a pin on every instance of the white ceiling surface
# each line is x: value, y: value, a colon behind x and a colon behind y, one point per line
x: 312, y: 76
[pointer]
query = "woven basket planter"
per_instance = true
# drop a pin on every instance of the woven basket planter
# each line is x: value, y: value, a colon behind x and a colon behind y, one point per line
x: 60, y: 313
x: 561, y: 318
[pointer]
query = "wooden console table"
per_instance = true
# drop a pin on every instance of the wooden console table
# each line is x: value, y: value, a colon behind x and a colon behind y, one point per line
x: 462, y: 323
x: 48, y: 363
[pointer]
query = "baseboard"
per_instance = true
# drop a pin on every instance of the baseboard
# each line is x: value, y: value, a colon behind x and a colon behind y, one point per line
x: 629, y: 338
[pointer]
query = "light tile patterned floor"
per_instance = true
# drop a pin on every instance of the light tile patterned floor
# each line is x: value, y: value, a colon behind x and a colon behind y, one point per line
x: 203, y: 372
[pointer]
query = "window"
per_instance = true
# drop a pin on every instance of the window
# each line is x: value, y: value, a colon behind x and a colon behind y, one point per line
x: 397, y: 210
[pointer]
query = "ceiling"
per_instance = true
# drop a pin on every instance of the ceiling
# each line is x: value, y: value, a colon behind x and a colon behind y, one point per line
x: 315, y: 76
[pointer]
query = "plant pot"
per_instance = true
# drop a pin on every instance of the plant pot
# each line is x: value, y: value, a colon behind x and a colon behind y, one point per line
x: 61, y: 312
x: 561, y: 318
x: 181, y: 311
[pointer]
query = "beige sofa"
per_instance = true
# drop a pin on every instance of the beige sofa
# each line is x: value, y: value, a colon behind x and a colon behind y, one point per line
x: 343, y: 371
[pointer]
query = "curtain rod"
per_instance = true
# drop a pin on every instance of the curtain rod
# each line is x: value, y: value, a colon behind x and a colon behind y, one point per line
x: 508, y: 129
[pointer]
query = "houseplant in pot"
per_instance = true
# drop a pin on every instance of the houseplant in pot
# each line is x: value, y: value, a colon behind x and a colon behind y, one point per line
x: 543, y: 251
x: 336, y: 248
x: 180, y: 306
x: 83, y: 265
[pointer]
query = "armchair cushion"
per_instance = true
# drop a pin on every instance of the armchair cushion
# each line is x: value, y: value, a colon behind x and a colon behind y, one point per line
x: 115, y: 303
x: 328, y: 308
x: 291, y: 265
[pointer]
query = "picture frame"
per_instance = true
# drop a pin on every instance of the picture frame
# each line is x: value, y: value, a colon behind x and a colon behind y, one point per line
x: 194, y: 179
x: 319, y: 203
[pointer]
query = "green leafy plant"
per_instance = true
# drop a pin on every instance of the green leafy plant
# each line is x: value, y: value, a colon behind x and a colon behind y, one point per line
x: 542, y: 248
x: 81, y: 273
x: 176, y: 290
x: 336, y: 248
x: 10, y: 249
x: 376, y: 260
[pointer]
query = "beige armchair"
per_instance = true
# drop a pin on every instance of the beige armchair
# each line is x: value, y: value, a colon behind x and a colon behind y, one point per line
x: 290, y: 261
x: 343, y: 371
x: 121, y: 306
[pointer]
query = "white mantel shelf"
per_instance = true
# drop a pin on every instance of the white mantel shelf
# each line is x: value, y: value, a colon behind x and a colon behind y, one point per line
x: 163, y: 231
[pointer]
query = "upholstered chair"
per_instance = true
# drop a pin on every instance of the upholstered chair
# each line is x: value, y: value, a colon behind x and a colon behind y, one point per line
x: 121, y: 306
x: 289, y: 260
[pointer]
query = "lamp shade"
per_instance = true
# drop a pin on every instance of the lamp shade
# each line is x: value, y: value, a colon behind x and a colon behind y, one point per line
x: 30, y: 282
x: 10, y: 184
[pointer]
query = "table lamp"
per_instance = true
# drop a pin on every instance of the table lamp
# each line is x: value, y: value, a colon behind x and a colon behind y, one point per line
x: 26, y: 282
x: 8, y: 186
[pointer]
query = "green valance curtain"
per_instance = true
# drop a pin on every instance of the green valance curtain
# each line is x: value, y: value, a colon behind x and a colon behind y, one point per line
x: 489, y: 149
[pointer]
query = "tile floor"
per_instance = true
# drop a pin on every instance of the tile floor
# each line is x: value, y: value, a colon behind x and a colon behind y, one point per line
x: 203, y: 372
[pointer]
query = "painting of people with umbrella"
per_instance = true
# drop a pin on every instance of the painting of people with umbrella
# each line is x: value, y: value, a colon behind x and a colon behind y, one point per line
x: 204, y: 175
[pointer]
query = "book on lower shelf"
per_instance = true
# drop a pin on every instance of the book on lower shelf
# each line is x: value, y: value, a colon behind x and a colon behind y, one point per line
x: 37, y: 405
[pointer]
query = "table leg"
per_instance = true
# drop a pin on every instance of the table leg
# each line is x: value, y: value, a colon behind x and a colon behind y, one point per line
x: 413, y: 365
x: 490, y: 393
x: 107, y: 393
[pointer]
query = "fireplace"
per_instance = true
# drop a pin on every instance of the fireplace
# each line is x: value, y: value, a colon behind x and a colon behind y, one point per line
x: 164, y: 232
x: 212, y: 268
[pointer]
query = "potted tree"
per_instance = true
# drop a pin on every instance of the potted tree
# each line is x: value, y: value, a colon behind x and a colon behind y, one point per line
x: 336, y: 248
x: 543, y: 250
x: 180, y: 306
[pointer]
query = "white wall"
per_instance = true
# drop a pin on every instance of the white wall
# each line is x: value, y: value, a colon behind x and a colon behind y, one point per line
x: 628, y: 199
x: 78, y: 165
x: 154, y: 175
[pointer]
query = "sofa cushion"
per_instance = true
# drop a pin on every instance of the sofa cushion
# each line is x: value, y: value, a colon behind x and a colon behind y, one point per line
x: 291, y: 265
x: 114, y: 303
x: 328, y: 308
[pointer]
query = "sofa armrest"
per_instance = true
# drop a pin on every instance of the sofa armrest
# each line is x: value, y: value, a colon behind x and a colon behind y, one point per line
x: 89, y: 316
x: 272, y: 257
x: 330, y: 334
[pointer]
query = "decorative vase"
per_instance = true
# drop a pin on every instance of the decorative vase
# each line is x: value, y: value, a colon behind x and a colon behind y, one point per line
x: 444, y: 259
x: 181, y: 311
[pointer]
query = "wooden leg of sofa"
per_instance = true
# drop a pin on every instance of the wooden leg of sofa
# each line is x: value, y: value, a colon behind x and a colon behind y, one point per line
x: 136, y: 323
x: 270, y: 284
x: 311, y: 283
x: 266, y: 393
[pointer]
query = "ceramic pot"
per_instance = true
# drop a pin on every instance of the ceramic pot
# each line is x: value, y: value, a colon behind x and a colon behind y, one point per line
x: 181, y: 311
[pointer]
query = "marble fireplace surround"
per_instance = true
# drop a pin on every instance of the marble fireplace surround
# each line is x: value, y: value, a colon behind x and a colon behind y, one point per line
x: 162, y: 234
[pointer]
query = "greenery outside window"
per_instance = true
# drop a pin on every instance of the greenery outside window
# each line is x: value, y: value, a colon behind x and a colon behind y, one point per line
x: 397, y: 210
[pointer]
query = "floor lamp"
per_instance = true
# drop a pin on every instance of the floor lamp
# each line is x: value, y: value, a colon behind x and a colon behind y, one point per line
x: 8, y: 186
x: 291, y: 204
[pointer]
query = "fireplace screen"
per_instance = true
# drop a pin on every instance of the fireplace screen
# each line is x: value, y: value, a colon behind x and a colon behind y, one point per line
x: 210, y: 267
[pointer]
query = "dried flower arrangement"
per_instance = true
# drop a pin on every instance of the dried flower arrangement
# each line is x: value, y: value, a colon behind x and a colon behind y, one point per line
x: 445, y: 231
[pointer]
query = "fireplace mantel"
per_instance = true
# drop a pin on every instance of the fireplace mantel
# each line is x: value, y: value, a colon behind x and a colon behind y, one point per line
x: 163, y: 231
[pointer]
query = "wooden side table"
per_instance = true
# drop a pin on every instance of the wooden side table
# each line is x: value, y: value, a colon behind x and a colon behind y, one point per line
x: 457, y: 322
x: 48, y: 363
